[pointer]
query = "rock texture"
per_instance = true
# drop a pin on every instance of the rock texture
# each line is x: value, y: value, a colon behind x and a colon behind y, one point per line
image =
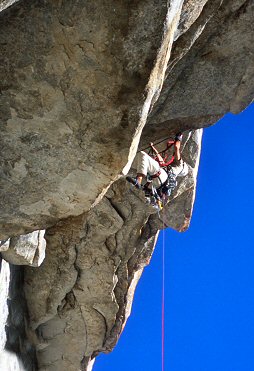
x: 26, y: 249
x: 81, y: 91
x: 211, y: 66
x: 15, y: 320
x: 91, y: 269
x: 4, y: 286
x: 75, y: 97
x: 89, y: 278
x: 20, y: 339
x: 6, y: 3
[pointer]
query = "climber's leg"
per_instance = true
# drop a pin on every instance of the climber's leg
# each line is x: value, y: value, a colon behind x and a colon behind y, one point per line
x: 145, y: 165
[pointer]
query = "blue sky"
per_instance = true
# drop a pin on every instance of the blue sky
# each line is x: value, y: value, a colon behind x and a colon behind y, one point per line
x: 209, y: 311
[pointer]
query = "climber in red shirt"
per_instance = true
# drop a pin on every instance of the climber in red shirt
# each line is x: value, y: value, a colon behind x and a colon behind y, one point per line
x: 156, y: 170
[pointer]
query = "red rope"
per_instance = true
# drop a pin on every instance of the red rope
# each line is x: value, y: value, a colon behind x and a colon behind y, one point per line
x: 163, y: 301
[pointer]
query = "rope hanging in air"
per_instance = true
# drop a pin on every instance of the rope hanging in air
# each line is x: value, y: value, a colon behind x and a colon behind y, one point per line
x: 163, y: 300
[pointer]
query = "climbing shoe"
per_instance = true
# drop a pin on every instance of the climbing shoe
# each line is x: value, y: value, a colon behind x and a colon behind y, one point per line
x: 134, y: 182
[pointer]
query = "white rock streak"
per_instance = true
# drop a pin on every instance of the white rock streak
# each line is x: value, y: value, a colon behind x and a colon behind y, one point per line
x: 8, y: 361
x: 4, y: 287
x: 157, y: 75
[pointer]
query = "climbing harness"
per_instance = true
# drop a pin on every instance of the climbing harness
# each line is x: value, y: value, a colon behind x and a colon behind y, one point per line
x: 155, y: 175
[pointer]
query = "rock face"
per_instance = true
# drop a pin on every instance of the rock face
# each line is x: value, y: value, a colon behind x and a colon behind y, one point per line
x: 81, y: 92
x: 28, y: 249
x: 75, y: 97
x: 210, y: 71
x: 91, y: 269
x: 6, y: 3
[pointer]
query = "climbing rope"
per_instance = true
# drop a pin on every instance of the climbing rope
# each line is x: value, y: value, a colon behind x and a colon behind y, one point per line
x: 163, y: 298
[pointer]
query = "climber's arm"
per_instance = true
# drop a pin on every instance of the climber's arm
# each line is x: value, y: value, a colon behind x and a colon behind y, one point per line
x: 159, y: 158
x: 177, y: 153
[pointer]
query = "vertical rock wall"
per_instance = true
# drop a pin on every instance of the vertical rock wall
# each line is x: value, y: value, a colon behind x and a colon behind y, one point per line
x: 81, y: 296
x: 78, y: 80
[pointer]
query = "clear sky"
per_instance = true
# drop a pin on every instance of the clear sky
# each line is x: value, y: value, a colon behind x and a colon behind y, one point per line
x: 209, y: 271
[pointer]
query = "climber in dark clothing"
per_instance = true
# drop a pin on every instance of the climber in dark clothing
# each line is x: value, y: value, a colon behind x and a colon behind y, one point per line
x: 155, y: 171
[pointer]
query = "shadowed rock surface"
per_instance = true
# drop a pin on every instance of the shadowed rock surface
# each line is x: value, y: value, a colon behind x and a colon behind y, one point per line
x: 81, y: 90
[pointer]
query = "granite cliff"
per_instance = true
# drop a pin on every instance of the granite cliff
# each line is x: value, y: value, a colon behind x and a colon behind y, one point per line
x: 84, y: 86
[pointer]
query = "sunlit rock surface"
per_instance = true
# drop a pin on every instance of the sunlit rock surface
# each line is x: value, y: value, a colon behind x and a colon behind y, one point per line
x: 8, y: 361
x: 75, y: 98
x: 81, y: 92
x: 6, y: 3
x: 28, y: 249
x: 92, y: 265
x: 4, y: 287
